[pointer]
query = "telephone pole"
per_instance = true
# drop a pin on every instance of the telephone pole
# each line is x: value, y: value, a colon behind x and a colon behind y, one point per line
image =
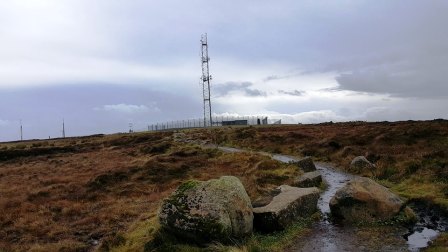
x: 63, y: 128
x: 21, y: 130
x: 206, y: 82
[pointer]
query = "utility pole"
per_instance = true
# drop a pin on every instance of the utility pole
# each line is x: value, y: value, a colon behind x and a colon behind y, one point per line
x: 131, y: 127
x: 63, y: 128
x: 206, y: 82
x: 21, y: 130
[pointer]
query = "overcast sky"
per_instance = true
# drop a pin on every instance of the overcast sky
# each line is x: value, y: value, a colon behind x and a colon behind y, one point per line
x: 103, y: 64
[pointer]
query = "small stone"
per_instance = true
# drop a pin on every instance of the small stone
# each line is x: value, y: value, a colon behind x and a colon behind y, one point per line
x: 306, y: 164
x: 360, y: 165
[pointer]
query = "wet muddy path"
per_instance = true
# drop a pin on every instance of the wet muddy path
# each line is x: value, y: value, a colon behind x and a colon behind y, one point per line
x: 328, y: 236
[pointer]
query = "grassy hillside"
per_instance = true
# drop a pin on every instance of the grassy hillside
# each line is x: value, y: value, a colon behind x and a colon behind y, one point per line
x: 411, y: 157
x: 103, y: 192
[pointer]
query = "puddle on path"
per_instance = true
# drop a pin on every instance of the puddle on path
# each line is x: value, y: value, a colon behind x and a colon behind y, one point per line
x: 326, y: 236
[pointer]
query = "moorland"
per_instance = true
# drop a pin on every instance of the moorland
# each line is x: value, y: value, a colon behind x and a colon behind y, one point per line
x: 102, y: 192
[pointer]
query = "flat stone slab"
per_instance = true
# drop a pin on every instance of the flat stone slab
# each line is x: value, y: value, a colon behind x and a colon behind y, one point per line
x: 285, y: 208
x: 309, y: 179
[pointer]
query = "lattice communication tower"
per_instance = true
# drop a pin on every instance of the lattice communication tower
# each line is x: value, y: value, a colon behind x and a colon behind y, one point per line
x: 206, y: 82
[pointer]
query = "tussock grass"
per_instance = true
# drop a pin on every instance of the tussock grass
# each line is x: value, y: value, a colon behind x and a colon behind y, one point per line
x: 72, y: 194
x: 440, y: 244
x: 411, y: 156
x: 277, y: 241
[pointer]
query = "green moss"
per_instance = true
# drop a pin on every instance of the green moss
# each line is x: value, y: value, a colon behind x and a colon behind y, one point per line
x: 323, y: 186
x: 417, y: 188
x: 137, y: 235
x: 186, y: 186
x: 197, y: 228
x: 405, y: 217
x: 278, y: 241
x: 178, y: 198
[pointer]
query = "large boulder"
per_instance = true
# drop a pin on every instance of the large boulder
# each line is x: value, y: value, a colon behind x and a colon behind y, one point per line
x: 287, y: 206
x: 306, y: 164
x: 360, y: 165
x: 364, y: 200
x: 309, y: 179
x: 215, y: 210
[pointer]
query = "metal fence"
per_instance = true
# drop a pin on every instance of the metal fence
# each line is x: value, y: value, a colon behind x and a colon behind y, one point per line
x: 217, y: 121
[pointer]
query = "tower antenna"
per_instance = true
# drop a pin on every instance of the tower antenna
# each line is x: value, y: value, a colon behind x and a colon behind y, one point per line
x: 206, y: 82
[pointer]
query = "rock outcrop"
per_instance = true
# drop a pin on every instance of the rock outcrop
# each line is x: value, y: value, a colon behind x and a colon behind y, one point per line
x: 364, y: 200
x: 309, y: 179
x: 286, y: 207
x: 360, y: 165
x: 306, y: 164
x: 215, y: 210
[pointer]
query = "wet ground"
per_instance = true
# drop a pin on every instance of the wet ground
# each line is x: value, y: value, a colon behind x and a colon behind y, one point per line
x: 431, y: 222
x: 327, y: 236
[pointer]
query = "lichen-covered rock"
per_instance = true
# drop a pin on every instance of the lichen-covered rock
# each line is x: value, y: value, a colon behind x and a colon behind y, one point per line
x: 285, y: 208
x: 306, y: 164
x: 214, y: 210
x: 309, y: 179
x: 360, y: 165
x: 364, y: 200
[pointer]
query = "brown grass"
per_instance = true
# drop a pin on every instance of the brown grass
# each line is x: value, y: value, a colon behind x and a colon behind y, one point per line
x: 411, y: 157
x: 399, y: 149
x: 78, y: 193
x: 88, y: 191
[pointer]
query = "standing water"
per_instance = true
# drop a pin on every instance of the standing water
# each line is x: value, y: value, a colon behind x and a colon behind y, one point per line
x: 326, y: 236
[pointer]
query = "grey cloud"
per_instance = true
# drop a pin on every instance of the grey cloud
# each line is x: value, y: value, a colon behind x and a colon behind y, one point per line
x: 414, y: 79
x: 271, y: 77
x: 244, y: 87
x: 128, y: 108
x: 278, y: 77
x: 332, y: 89
x: 390, y: 47
x: 403, y: 55
x: 254, y: 92
x: 293, y: 93
x: 358, y: 39
x: 283, y: 77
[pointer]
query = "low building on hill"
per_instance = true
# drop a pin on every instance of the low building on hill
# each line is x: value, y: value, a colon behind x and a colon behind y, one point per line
x: 234, y: 122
